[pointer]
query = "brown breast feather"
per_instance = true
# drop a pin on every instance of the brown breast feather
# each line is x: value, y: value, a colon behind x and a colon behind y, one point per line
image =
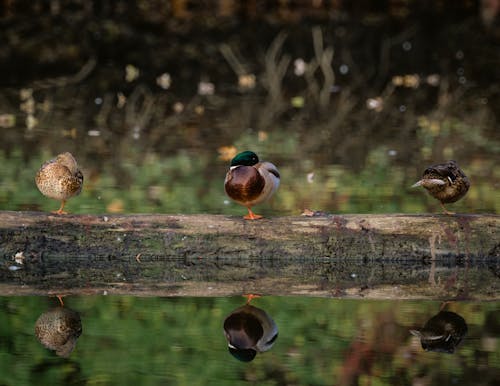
x: 244, y: 184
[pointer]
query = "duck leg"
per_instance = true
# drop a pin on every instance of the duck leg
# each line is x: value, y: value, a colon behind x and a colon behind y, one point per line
x: 60, y: 210
x: 250, y: 297
x: 251, y: 215
x: 60, y: 299
x: 446, y: 211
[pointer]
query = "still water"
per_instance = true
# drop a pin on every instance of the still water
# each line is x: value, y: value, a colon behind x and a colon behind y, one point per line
x: 127, y: 340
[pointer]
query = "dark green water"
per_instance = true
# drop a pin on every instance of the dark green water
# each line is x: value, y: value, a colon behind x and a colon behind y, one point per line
x: 179, y: 341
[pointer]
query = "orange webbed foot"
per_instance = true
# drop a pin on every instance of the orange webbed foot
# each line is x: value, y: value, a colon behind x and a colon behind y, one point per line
x: 446, y: 211
x: 60, y: 210
x: 251, y: 215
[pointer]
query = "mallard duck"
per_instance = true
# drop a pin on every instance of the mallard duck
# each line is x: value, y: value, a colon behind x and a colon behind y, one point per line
x: 442, y: 333
x: 249, y: 330
x: 60, y: 179
x: 250, y: 182
x: 58, y: 329
x: 445, y: 182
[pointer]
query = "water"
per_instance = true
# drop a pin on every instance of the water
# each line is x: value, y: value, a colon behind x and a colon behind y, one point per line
x: 131, y: 340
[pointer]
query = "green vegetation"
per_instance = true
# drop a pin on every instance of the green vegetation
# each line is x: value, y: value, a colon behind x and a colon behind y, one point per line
x: 347, y: 103
x: 192, y: 182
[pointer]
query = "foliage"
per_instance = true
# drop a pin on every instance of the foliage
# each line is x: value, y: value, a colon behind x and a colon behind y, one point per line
x: 190, y: 182
x: 350, y: 111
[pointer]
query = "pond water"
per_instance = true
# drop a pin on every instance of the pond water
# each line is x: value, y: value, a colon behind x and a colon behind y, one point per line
x: 129, y: 340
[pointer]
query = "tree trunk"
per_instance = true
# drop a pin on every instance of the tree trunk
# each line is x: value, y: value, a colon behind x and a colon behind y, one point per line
x: 395, y: 256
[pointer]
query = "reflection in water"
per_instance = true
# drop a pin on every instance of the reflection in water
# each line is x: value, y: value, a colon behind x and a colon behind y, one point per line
x: 442, y: 333
x: 249, y: 330
x: 178, y: 341
x: 58, y: 329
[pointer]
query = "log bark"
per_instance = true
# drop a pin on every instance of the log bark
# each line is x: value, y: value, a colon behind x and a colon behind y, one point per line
x: 378, y: 256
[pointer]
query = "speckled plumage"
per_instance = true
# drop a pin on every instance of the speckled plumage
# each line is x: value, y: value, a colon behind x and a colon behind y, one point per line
x: 249, y: 330
x: 60, y: 179
x: 250, y: 182
x: 58, y: 329
x: 445, y: 182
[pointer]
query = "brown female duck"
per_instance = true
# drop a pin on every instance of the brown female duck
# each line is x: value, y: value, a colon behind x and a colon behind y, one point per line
x: 250, y: 182
x: 60, y: 179
x: 446, y: 182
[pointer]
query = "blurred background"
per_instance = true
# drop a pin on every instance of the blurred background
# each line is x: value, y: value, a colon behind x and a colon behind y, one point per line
x: 351, y: 101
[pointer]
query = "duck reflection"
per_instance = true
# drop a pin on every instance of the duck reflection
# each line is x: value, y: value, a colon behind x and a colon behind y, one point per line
x: 58, y: 329
x: 442, y: 333
x: 249, y: 330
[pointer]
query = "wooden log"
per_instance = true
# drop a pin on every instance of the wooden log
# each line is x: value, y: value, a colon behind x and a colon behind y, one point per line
x: 379, y: 256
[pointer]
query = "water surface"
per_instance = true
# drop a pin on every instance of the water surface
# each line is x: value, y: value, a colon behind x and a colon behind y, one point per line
x: 151, y: 341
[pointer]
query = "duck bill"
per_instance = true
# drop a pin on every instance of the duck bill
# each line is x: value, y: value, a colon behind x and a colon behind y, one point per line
x: 425, y: 335
x: 429, y: 183
x: 416, y: 333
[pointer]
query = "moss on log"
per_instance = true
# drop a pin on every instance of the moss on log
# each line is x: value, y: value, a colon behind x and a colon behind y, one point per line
x: 395, y: 256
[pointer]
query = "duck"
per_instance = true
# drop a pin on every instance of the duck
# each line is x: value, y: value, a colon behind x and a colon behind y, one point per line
x: 250, y: 182
x: 249, y: 330
x: 58, y: 329
x: 446, y: 182
x: 60, y: 179
x: 442, y: 333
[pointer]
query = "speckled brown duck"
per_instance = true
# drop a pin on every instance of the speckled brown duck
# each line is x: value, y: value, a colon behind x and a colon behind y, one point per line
x: 60, y: 179
x: 445, y: 182
x: 58, y: 329
x: 250, y: 182
x: 249, y: 330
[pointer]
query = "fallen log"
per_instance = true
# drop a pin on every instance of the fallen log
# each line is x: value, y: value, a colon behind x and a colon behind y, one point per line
x: 395, y: 255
